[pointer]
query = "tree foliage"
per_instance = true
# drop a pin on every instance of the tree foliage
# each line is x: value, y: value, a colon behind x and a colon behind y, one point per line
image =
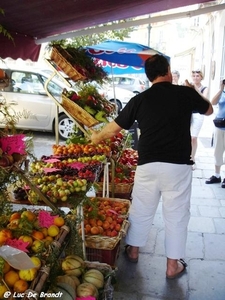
x: 96, y: 38
x: 3, y: 30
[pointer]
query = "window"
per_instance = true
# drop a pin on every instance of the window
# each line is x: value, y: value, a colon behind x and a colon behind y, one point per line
x: 26, y: 82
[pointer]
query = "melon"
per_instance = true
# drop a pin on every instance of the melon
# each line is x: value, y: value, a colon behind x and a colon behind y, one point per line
x: 72, y: 265
x: 87, y: 289
x: 95, y: 277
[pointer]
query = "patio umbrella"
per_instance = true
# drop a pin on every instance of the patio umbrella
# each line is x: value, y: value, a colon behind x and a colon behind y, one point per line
x: 123, y: 53
x: 118, y: 69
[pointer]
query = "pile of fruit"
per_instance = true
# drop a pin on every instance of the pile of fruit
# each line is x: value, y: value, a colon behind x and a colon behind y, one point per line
x: 60, y: 178
x: 79, y: 279
x: 33, y: 232
x: 92, y: 102
x: 105, y: 216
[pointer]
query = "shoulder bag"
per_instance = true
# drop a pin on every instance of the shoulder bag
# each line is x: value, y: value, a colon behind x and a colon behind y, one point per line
x: 219, y: 122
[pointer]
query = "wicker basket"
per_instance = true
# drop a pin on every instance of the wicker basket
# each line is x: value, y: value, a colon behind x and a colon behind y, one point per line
x: 120, y: 188
x: 105, y: 242
x: 60, y: 56
x: 78, y: 113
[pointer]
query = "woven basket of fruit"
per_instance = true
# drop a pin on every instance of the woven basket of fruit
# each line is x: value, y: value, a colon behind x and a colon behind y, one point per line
x: 78, y: 113
x: 105, y: 222
x: 60, y: 56
x: 106, y: 242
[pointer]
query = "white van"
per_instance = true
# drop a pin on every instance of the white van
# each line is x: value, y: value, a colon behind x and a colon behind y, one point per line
x: 28, y: 100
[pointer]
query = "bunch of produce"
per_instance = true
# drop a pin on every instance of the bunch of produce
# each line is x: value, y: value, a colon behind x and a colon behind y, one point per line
x: 104, y: 216
x: 83, y: 63
x: 86, y: 167
x: 80, y: 279
x: 54, y: 187
x: 82, y: 150
x: 92, y: 102
x: 33, y: 232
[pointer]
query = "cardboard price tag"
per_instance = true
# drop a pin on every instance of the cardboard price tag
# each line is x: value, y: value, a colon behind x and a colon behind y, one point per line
x: 13, y: 144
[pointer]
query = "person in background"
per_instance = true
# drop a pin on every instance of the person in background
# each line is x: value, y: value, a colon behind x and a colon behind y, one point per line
x: 163, y: 113
x: 175, y: 77
x: 197, y: 119
x: 219, y: 136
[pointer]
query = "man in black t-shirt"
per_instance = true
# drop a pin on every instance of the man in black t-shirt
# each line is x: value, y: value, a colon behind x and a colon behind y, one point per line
x: 163, y: 113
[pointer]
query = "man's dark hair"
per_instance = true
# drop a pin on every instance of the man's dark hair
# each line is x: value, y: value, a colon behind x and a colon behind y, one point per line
x: 155, y: 66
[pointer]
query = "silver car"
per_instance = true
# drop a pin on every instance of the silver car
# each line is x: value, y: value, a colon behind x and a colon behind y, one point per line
x: 29, y: 101
x: 133, y: 84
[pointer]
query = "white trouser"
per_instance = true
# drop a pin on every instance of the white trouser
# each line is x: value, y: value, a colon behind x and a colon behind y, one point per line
x: 173, y: 183
x: 219, y: 141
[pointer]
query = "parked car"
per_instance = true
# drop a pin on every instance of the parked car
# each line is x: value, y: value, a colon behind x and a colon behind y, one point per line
x: 121, y: 96
x: 28, y: 100
x: 133, y: 84
x: 116, y: 95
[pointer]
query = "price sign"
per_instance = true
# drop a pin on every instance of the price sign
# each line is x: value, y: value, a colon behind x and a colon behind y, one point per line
x: 13, y: 144
x: 45, y: 219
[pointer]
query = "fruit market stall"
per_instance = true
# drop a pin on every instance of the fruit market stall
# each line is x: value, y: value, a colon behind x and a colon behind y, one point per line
x: 67, y: 249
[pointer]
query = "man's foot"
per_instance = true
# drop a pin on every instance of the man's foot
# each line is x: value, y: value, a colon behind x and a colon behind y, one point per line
x: 129, y: 256
x: 223, y: 184
x: 213, y: 179
x: 181, y: 267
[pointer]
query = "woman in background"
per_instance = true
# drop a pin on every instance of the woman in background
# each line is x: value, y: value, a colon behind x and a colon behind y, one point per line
x: 175, y: 77
x: 197, y: 119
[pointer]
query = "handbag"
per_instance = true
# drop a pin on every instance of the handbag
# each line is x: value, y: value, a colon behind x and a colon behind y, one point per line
x: 219, y: 122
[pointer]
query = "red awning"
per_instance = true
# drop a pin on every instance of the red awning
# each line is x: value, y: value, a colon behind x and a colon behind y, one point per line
x: 39, y: 19
x: 23, y: 47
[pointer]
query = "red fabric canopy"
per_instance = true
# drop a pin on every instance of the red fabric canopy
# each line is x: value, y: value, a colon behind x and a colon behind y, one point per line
x: 40, y: 19
x: 23, y: 47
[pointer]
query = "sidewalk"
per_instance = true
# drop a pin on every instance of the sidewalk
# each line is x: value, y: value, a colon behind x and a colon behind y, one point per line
x: 205, y: 255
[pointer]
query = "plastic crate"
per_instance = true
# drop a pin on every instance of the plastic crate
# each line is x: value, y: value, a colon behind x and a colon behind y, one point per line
x: 103, y: 256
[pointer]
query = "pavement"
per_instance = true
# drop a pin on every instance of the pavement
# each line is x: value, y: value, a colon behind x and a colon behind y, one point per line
x: 204, y: 278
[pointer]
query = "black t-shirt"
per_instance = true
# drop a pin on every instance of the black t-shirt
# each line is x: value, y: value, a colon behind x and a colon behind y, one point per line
x: 163, y: 113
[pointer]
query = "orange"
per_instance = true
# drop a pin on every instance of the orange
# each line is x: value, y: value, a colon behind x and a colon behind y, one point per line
x: 94, y: 230
x: 53, y: 230
x: 5, y: 234
x: 99, y: 222
x: 105, y: 225
x: 92, y: 222
x: 14, y: 216
x: 11, y: 277
x: 20, y: 286
x: 37, y: 235
x: 6, y: 267
x: 59, y: 221
x: 29, y: 215
x: 87, y: 228
x: 44, y: 230
x: 100, y: 229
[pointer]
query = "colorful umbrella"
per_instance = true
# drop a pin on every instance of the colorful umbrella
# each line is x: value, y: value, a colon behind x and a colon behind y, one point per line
x: 122, y: 53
